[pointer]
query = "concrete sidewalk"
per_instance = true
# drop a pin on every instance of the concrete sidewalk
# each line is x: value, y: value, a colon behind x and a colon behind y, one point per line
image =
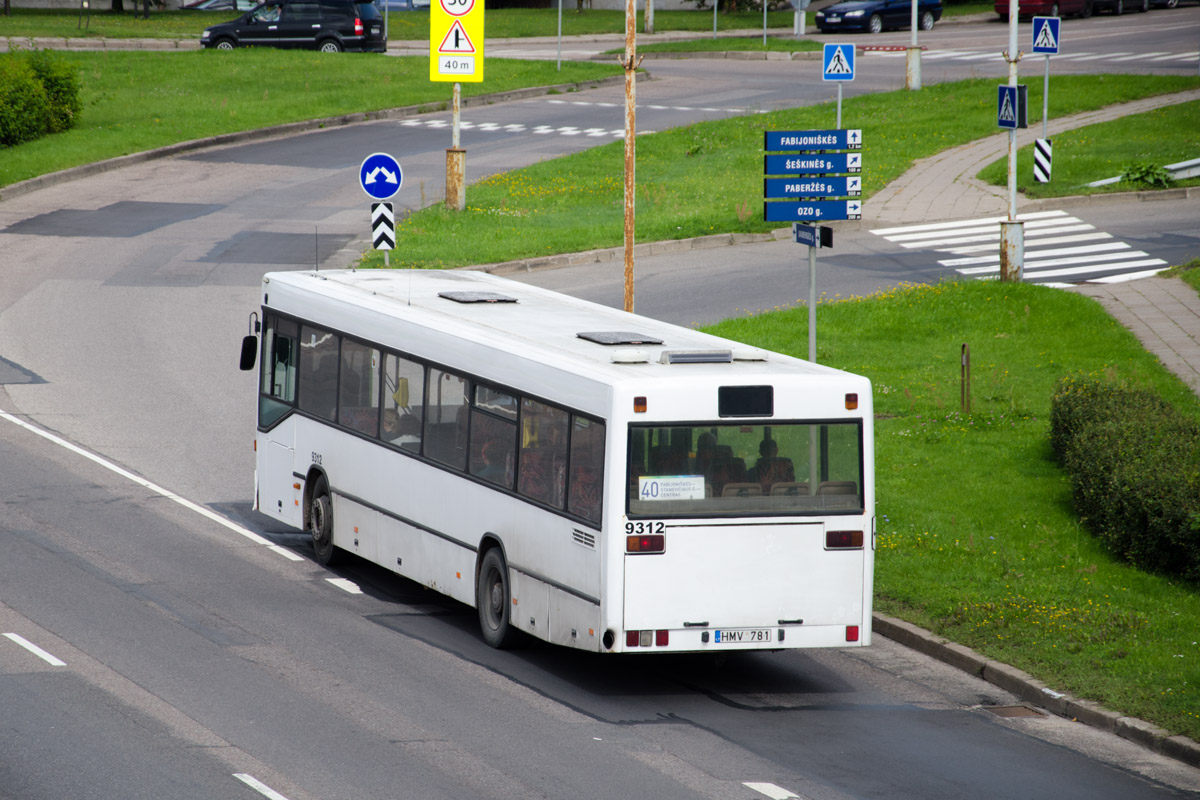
x: 1164, y: 313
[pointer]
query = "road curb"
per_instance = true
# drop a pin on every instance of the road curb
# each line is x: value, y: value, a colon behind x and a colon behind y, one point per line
x: 1033, y: 691
x: 290, y: 128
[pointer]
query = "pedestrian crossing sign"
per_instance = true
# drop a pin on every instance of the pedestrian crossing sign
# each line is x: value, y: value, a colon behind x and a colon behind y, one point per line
x: 1011, y: 107
x: 1045, y: 35
x: 838, y: 62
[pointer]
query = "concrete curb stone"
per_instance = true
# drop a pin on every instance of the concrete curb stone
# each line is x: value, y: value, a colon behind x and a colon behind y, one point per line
x: 1034, y: 692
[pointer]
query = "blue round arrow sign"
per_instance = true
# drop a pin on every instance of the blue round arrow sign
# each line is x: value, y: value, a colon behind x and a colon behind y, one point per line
x: 380, y: 176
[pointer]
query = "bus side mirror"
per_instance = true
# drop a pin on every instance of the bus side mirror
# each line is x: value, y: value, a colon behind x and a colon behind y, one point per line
x: 249, y: 352
x: 250, y: 344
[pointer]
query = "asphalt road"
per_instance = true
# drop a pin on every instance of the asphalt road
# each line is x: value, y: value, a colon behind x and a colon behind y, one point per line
x: 193, y: 654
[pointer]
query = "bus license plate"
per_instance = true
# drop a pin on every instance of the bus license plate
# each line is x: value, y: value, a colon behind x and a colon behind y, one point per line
x: 743, y: 636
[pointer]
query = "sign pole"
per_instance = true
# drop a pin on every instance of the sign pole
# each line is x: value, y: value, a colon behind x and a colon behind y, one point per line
x: 1012, y: 232
x: 1046, y: 99
x: 912, y: 73
x: 560, y: 2
x: 812, y: 304
x: 630, y: 62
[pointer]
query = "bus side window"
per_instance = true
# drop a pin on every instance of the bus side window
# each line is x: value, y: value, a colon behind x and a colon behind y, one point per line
x: 318, y: 372
x: 543, y: 462
x: 493, y: 436
x: 585, y: 491
x: 358, y: 392
x: 403, y: 402
x: 446, y: 398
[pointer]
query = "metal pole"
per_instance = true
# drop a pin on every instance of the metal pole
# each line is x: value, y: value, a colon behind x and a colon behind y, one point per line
x: 649, y: 24
x: 1012, y: 232
x: 630, y: 63
x: 839, y: 111
x: 812, y: 302
x: 764, y: 23
x: 715, y: 3
x: 912, y: 61
x: 455, y: 104
x: 1046, y: 99
x: 560, y: 2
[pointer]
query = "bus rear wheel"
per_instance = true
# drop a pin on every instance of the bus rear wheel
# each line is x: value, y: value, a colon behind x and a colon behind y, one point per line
x: 493, y: 599
x: 320, y: 523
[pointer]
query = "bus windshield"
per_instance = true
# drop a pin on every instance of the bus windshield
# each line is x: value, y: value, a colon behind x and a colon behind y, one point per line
x: 733, y: 470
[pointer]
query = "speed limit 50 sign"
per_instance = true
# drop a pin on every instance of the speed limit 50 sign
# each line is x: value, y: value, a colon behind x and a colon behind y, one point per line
x: 456, y: 41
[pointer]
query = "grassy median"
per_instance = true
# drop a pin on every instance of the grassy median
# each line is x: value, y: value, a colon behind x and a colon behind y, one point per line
x: 707, y: 178
x: 136, y: 101
x: 977, y: 537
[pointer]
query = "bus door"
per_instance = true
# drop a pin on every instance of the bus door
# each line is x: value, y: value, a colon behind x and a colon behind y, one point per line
x: 277, y: 492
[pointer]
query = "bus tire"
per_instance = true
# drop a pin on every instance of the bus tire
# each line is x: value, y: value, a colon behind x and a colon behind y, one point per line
x: 494, y: 600
x: 320, y: 523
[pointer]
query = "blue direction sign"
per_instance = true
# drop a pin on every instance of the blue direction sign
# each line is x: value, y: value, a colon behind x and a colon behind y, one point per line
x: 819, y: 186
x: 812, y: 235
x: 802, y: 164
x: 836, y: 139
x: 380, y: 176
x: 1045, y: 35
x: 812, y: 210
x: 838, y: 62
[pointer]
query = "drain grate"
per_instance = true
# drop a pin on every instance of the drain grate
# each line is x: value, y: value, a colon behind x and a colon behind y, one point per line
x: 1014, y: 711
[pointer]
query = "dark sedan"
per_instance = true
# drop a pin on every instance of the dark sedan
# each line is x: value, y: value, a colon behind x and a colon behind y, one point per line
x: 878, y: 15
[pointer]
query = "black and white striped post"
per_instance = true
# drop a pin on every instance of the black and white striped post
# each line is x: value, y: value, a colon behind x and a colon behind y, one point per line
x: 383, y: 229
x: 1042, y: 154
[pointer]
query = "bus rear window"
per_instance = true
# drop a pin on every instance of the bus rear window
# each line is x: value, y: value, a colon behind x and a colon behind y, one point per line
x: 736, y: 470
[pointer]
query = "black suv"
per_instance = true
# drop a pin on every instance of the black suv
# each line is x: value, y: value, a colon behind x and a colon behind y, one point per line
x: 326, y: 25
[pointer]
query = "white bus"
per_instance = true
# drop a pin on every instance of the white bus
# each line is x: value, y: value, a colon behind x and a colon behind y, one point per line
x: 593, y: 478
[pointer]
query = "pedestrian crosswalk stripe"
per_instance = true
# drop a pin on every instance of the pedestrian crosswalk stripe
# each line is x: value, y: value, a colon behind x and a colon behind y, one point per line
x: 1059, y: 249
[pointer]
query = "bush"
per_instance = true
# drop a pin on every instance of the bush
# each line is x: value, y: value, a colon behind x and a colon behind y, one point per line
x: 24, y: 106
x: 39, y: 94
x: 61, y: 81
x: 1134, y: 467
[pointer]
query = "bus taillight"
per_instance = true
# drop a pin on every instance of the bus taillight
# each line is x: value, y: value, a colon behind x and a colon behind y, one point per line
x: 646, y: 638
x: 653, y: 543
x: 843, y: 540
x: 851, y: 633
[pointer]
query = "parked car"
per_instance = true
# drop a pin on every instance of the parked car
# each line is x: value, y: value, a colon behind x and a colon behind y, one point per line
x: 1165, y: 3
x: 1047, y: 8
x: 1118, y: 7
x: 393, y: 6
x: 327, y: 25
x: 221, y: 5
x: 877, y: 15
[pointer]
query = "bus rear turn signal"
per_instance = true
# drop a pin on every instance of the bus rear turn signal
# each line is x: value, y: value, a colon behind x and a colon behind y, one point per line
x: 843, y: 540
x: 654, y: 543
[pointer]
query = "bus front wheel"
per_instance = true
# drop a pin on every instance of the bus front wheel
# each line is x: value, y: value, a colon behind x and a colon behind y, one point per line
x: 320, y: 522
x: 494, y: 601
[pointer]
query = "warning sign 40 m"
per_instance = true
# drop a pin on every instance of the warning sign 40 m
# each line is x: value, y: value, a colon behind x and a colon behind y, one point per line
x: 456, y: 41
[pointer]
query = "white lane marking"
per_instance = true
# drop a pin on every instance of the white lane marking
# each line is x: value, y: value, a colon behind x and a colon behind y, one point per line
x: 965, y: 223
x: 348, y: 586
x: 37, y: 651
x: 771, y: 790
x: 154, y: 487
x: 258, y: 786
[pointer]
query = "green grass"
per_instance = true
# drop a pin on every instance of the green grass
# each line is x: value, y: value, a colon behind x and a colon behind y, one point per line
x: 135, y: 101
x: 1159, y: 137
x: 707, y: 178
x: 977, y: 538
x: 1189, y: 273
x: 499, y: 24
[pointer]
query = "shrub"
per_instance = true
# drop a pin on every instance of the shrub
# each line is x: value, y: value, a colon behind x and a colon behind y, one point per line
x: 24, y: 106
x: 61, y: 81
x: 39, y: 94
x: 1134, y: 467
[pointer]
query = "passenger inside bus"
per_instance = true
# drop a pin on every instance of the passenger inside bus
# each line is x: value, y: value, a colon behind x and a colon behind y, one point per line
x: 770, y: 468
